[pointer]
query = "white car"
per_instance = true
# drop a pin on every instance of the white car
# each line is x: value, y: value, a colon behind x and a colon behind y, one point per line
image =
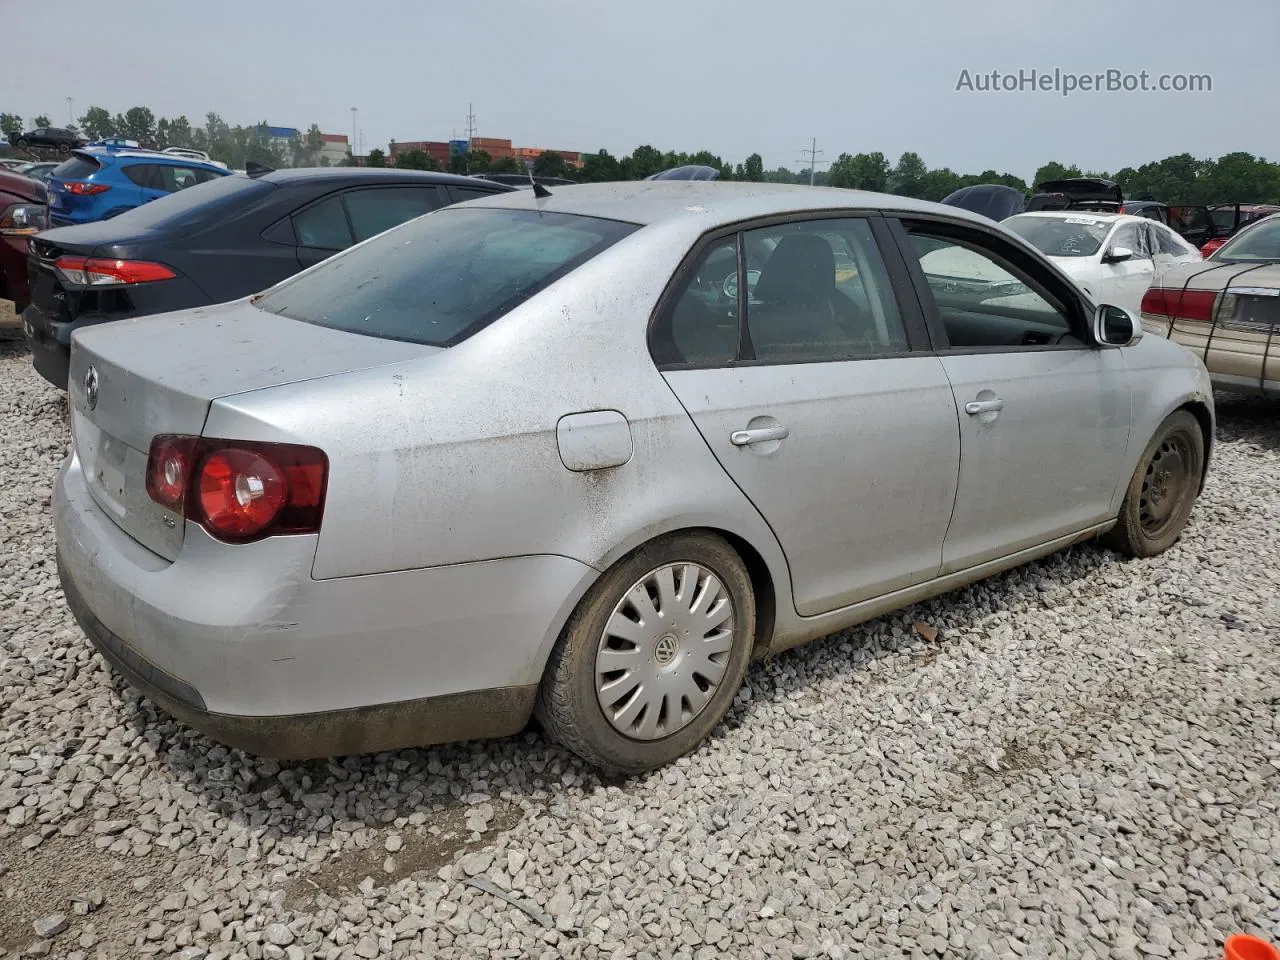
x: 1113, y: 256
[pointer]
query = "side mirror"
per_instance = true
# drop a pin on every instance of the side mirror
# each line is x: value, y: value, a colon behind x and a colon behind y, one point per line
x: 1115, y: 327
x: 1117, y: 255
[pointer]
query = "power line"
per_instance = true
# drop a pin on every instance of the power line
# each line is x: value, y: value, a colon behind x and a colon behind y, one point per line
x: 812, y: 151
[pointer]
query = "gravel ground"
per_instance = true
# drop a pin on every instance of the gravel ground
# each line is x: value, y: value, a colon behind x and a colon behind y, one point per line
x: 1085, y: 762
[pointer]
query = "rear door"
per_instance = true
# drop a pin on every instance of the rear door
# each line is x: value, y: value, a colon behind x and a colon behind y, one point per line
x: 813, y: 384
x: 1044, y: 416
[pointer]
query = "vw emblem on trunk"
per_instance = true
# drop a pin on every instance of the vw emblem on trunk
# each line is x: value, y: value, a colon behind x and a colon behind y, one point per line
x: 91, y: 386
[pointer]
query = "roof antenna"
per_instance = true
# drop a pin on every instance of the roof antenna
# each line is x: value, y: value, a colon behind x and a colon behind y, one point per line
x: 539, y: 190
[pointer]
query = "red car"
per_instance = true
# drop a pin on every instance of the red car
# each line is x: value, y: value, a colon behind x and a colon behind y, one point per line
x: 23, y: 211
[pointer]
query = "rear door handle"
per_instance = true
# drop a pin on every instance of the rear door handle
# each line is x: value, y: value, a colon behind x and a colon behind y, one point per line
x: 740, y: 438
x: 975, y: 407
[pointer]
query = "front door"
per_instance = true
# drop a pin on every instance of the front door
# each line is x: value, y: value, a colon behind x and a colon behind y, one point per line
x: 1127, y: 280
x: 823, y: 407
x: 1044, y: 415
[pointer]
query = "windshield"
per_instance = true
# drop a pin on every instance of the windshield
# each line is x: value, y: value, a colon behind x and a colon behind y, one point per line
x: 1061, y: 236
x: 1260, y: 242
x: 440, y: 278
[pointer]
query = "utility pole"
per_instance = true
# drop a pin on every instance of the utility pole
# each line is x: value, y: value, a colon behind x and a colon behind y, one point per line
x: 812, y: 152
x: 471, y: 124
x: 71, y: 114
x: 354, y: 138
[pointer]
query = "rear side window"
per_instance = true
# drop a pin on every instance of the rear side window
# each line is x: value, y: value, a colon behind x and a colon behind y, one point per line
x: 439, y: 279
x: 77, y: 168
x: 377, y: 209
x: 143, y: 174
x: 471, y: 193
x: 323, y: 225
x: 172, y: 179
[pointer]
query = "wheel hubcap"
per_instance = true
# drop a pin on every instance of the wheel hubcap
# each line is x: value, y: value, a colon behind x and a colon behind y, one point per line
x: 664, y: 651
x: 1165, y: 485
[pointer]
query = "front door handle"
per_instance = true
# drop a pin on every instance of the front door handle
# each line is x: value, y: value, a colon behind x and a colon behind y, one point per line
x: 740, y: 438
x: 975, y: 407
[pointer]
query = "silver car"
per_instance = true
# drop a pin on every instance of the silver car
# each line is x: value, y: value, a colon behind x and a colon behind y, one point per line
x: 585, y: 456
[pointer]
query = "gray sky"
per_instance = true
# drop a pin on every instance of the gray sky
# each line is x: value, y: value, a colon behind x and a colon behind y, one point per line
x: 733, y: 76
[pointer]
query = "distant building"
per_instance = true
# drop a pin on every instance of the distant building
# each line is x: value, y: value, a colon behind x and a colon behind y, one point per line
x: 335, y: 149
x: 496, y: 147
x: 282, y: 136
x: 437, y: 150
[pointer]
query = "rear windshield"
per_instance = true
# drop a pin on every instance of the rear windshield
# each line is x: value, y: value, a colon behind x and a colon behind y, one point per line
x: 77, y: 168
x: 440, y: 278
x: 1061, y: 236
x: 198, y: 205
x: 1260, y: 242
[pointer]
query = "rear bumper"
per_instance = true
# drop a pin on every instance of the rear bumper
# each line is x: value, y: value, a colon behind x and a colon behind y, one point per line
x: 240, y: 642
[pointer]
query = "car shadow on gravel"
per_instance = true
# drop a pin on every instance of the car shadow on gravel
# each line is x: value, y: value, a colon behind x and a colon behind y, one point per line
x: 437, y: 800
x: 1248, y: 418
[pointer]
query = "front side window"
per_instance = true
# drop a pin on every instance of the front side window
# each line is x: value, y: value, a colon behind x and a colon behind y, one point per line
x: 445, y: 276
x: 821, y: 293
x: 981, y: 301
x: 1132, y: 237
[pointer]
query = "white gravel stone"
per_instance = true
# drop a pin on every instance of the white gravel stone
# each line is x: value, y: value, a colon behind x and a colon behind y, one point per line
x: 1085, y: 761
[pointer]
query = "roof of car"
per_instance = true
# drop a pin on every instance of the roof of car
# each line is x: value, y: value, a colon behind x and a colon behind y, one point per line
x: 296, y: 174
x: 714, y: 201
x: 143, y: 154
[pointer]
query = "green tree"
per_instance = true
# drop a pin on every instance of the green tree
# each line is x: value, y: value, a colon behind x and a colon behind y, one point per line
x: 506, y: 165
x: 907, y: 178
x: 478, y: 161
x: 457, y: 161
x: 1055, y: 171
x: 862, y: 171
x: 752, y: 168
x: 180, y: 133
x: 97, y: 123
x: 416, y: 160
x: 781, y: 175
x: 377, y: 158
x: 643, y: 162
x: 348, y: 160
x: 600, y: 167
x: 140, y: 125
x: 551, y: 164
x: 10, y: 123
x: 936, y: 184
x: 1242, y: 178
x: 42, y: 121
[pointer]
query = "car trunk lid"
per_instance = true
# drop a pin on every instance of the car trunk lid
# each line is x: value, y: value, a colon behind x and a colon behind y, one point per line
x: 133, y: 380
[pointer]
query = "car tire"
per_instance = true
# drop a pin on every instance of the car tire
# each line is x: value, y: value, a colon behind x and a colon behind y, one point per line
x: 673, y: 655
x: 21, y: 144
x: 64, y: 148
x: 1163, y: 489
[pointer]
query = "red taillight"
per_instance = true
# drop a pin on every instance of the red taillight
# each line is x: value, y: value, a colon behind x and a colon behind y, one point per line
x: 1195, y: 305
x: 239, y: 490
x: 169, y: 471
x: 1211, y: 246
x: 86, y: 189
x: 96, y: 272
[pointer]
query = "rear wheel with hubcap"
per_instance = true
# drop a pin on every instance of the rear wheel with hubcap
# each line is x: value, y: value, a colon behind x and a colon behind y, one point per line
x: 1163, y: 489
x: 651, y: 659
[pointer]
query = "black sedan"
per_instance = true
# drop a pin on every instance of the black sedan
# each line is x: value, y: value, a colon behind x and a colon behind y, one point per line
x: 48, y: 138
x: 214, y: 242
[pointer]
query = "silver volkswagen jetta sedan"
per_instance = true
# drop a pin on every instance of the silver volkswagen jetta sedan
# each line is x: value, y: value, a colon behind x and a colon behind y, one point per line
x: 585, y: 456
